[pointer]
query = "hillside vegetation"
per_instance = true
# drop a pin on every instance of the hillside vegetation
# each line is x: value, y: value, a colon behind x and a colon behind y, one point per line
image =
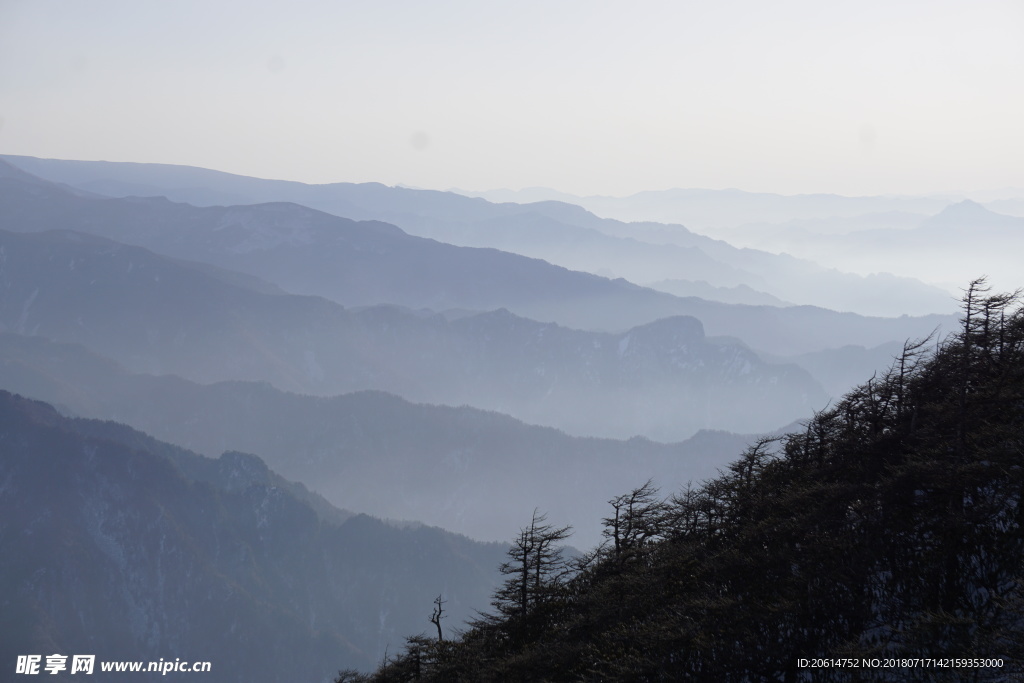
x: 115, y: 544
x: 889, y: 527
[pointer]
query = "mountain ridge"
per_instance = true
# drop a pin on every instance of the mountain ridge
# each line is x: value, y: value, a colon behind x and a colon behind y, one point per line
x: 558, y: 233
x: 154, y: 315
x: 425, y: 274
x: 122, y: 551
x: 369, y: 450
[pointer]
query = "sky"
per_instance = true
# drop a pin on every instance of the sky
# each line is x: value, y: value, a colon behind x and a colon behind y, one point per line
x: 864, y: 97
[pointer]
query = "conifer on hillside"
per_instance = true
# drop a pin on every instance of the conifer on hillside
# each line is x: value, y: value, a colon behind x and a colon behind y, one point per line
x: 889, y: 527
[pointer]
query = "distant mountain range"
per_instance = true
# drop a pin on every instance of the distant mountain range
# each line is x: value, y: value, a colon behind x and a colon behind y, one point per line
x: 467, y: 470
x: 962, y: 241
x: 560, y: 233
x: 307, y: 252
x: 740, y: 294
x: 157, y: 315
x: 946, y: 240
x: 221, y: 314
x: 712, y: 210
x: 120, y: 546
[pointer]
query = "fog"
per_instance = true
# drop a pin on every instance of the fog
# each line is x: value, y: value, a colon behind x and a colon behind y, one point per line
x: 446, y: 264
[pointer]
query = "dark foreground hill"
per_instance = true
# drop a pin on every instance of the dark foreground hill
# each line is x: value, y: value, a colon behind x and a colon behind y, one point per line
x: 117, y: 545
x: 889, y: 529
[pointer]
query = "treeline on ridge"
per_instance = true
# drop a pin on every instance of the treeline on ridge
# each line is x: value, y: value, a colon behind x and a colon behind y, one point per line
x: 889, y: 527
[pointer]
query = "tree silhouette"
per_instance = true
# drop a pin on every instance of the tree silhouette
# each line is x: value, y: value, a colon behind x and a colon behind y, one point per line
x: 891, y: 525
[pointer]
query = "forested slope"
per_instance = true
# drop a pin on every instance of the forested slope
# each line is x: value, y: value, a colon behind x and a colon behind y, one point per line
x: 118, y: 545
x: 889, y: 527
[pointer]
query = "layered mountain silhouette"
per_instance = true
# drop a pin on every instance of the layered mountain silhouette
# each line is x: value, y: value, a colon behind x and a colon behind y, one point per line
x: 156, y: 315
x: 463, y: 469
x: 402, y: 376
x: 560, y: 233
x: 124, y: 547
x: 953, y: 245
x: 363, y: 263
x: 702, y: 208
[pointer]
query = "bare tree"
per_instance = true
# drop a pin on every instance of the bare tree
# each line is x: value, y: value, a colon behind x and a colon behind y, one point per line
x: 437, y: 615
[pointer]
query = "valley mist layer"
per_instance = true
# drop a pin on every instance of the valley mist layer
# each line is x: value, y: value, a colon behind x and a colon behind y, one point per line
x: 470, y: 471
x: 365, y: 263
x: 561, y: 233
x: 665, y: 380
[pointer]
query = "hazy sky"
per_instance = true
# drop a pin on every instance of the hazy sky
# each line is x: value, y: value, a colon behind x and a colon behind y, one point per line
x: 587, y: 97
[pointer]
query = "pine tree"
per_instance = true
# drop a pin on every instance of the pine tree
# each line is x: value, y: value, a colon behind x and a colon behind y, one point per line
x: 889, y: 526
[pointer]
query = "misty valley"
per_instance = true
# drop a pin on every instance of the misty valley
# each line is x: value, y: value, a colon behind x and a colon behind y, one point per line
x: 679, y: 435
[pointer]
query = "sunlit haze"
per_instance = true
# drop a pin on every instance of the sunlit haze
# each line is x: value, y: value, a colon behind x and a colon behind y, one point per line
x: 861, y: 97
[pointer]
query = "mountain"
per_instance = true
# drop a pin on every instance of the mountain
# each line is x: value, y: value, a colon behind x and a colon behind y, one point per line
x: 1010, y: 206
x: 644, y: 252
x: 559, y: 233
x: 951, y: 247
x: 364, y: 263
x: 790, y: 236
x: 839, y: 369
x: 710, y: 210
x: 878, y: 543
x: 470, y: 471
x: 740, y: 294
x: 972, y: 215
x: 158, y: 315
x: 767, y: 271
x: 117, y: 545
